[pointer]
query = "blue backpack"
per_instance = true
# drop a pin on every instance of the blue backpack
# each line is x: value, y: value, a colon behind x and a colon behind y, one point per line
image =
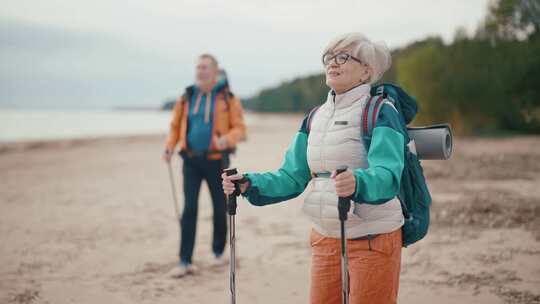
x: 414, y: 194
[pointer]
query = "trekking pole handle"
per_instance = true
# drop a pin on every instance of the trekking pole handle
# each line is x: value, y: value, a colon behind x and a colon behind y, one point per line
x: 231, y: 205
x: 344, y: 203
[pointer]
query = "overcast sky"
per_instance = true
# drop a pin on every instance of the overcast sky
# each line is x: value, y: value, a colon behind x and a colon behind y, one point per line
x: 103, y: 53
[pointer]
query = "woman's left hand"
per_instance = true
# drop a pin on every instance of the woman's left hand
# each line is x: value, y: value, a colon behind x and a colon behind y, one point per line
x: 345, y: 183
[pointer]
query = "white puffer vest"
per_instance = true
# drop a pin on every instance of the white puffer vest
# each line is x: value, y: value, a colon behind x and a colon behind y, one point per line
x: 335, y: 139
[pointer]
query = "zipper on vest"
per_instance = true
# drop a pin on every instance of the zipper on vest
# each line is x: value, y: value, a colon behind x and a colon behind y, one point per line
x: 328, y: 125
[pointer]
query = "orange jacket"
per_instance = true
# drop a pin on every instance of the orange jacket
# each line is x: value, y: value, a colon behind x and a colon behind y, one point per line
x: 228, y: 122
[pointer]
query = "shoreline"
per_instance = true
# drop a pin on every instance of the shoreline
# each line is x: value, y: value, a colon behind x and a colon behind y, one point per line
x: 263, y: 120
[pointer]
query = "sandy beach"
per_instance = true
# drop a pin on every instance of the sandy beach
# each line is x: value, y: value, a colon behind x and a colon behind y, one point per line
x: 92, y: 221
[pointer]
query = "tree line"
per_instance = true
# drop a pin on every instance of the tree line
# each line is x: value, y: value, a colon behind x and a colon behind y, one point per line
x: 483, y: 82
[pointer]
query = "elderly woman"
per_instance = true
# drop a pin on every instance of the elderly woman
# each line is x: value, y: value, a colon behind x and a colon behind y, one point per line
x: 352, y: 64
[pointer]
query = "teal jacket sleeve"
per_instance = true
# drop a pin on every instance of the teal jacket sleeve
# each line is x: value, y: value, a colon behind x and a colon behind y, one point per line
x: 380, y: 182
x: 288, y: 181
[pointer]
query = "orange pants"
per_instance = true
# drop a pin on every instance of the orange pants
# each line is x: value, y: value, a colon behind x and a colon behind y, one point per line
x: 374, y: 267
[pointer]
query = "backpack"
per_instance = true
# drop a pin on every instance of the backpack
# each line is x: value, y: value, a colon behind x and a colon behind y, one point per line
x: 414, y: 194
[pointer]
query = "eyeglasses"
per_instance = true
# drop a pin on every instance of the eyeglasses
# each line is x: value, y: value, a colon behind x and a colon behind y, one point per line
x: 339, y: 58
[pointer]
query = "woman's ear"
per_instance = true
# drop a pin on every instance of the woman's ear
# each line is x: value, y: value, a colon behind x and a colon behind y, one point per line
x: 366, y: 75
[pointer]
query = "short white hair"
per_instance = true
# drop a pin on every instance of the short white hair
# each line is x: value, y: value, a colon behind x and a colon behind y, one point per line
x: 375, y: 54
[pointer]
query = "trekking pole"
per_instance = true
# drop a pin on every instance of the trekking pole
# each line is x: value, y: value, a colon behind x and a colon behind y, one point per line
x: 231, y: 210
x: 344, y: 204
x: 173, y: 188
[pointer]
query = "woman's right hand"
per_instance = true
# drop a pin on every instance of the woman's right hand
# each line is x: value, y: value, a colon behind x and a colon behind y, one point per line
x: 228, y: 185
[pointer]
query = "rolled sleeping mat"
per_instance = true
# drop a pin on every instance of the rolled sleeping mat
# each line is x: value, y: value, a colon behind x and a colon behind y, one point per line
x: 431, y: 142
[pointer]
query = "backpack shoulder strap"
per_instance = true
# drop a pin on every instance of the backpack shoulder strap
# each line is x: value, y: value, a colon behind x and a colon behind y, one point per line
x: 227, y: 94
x: 370, y: 113
x: 365, y: 116
x: 310, y: 118
x: 188, y: 93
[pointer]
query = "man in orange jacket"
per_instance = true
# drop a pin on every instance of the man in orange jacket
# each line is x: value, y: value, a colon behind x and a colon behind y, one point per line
x: 207, y: 124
